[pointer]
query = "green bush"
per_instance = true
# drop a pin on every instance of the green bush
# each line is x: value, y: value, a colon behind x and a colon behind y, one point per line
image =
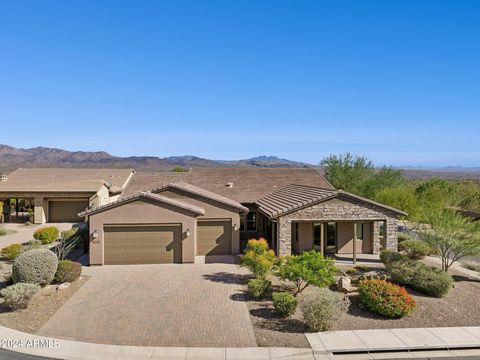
x: 46, y: 235
x: 37, y: 266
x: 386, y: 299
x: 426, y: 279
x: 415, y: 249
x: 68, y: 234
x: 308, y: 268
x: 321, y: 307
x: 284, y: 303
x: 389, y: 256
x: 259, y: 288
x: 11, y: 252
x: 403, y: 237
x: 33, y: 244
x: 67, y: 271
x: 471, y: 266
x: 19, y: 295
x: 3, y: 232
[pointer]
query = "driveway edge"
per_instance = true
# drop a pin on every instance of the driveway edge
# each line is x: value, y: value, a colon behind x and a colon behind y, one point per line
x: 36, y: 345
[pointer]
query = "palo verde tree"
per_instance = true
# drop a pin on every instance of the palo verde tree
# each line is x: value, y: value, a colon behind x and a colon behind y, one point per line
x: 452, y: 236
x: 358, y: 175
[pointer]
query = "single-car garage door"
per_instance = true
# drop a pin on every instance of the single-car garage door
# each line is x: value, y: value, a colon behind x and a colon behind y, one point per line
x: 65, y: 211
x: 214, y: 237
x: 156, y: 244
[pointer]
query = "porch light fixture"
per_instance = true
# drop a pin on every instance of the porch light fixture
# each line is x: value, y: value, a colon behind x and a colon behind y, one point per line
x: 95, y: 234
x: 187, y: 232
x: 235, y: 227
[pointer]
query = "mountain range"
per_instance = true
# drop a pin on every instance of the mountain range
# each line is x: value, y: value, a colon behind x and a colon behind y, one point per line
x: 12, y: 158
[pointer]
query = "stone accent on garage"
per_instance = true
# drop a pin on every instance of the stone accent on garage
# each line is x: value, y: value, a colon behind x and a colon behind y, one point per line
x: 342, y: 208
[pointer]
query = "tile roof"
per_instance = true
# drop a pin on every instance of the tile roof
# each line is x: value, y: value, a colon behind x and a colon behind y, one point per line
x: 245, y: 185
x: 63, y: 179
x: 148, y: 195
x: 294, y: 196
x: 191, y: 189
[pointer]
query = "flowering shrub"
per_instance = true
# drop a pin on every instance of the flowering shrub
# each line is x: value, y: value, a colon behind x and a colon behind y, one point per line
x: 258, y: 258
x: 386, y: 299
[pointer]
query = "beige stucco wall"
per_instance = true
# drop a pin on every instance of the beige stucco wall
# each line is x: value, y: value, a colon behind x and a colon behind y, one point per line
x: 345, y: 234
x: 138, y: 213
x: 213, y: 210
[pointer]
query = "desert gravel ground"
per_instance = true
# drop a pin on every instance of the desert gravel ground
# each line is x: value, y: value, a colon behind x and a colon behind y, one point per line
x: 459, y: 308
x: 43, y: 305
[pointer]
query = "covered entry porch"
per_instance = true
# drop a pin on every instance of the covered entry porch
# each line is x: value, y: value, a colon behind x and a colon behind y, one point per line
x: 337, y: 237
x: 330, y: 221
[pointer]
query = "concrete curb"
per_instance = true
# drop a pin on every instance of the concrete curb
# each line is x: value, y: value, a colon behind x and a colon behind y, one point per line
x: 377, y: 340
x: 32, y: 344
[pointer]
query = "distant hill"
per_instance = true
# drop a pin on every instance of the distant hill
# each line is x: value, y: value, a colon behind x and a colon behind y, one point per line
x: 12, y: 158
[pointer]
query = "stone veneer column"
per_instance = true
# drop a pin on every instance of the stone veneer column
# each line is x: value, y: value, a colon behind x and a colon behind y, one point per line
x: 391, y: 234
x: 38, y: 211
x: 376, y: 236
x: 285, y: 237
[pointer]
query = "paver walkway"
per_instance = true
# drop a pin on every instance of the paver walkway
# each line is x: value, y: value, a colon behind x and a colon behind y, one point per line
x: 157, y: 305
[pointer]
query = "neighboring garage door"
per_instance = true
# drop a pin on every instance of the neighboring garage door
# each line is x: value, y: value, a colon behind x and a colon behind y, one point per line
x: 214, y: 237
x: 65, y: 211
x: 158, y: 244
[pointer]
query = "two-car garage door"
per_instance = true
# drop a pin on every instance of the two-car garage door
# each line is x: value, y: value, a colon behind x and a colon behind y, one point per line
x: 156, y: 244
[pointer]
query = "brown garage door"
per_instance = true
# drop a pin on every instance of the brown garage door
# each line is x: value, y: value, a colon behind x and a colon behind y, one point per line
x: 159, y: 244
x: 65, y: 211
x: 214, y: 237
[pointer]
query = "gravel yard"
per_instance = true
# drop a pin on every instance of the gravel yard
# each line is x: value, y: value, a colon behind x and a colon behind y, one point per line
x: 458, y: 308
x: 43, y: 305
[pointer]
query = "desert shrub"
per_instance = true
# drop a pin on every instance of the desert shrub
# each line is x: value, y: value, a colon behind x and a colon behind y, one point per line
x: 415, y: 249
x: 67, y: 271
x: 403, y: 237
x: 37, y: 266
x: 19, y: 295
x: 259, y: 288
x: 389, y: 256
x: 471, y: 266
x: 426, y: 279
x: 33, y: 244
x: 46, y: 235
x: 3, y: 232
x: 12, y: 251
x: 284, y: 303
x: 68, y: 234
x: 308, y: 268
x: 321, y: 307
x: 258, y: 258
x: 386, y: 299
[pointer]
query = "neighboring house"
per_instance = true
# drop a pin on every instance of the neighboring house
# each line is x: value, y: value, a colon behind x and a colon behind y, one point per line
x: 59, y: 194
x: 198, y: 215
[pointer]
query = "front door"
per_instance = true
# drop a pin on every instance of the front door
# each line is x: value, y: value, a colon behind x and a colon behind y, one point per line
x: 330, y: 238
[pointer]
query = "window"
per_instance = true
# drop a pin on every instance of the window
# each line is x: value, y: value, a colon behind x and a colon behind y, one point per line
x: 295, y: 231
x: 359, y: 231
x: 242, y: 221
x: 252, y: 221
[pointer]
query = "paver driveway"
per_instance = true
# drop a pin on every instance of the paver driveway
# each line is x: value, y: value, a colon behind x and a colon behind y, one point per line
x: 157, y: 305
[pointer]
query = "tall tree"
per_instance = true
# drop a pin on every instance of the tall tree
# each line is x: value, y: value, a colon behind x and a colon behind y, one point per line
x: 452, y: 236
x: 358, y: 175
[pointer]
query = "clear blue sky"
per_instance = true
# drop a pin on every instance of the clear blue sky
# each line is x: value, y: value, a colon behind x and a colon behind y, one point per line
x: 397, y: 81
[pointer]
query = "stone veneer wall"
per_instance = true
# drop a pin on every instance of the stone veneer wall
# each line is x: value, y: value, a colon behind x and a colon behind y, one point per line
x: 341, y: 209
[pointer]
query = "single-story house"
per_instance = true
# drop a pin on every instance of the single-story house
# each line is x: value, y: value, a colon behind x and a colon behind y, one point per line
x: 58, y: 194
x: 194, y: 216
